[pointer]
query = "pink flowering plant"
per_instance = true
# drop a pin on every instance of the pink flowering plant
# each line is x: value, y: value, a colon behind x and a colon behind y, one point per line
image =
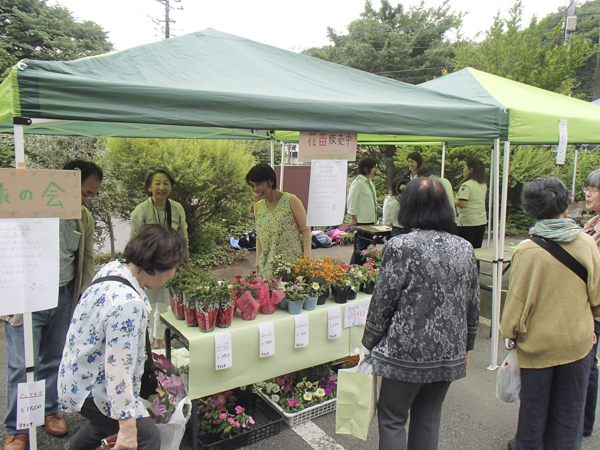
x: 170, y: 392
x: 373, y: 257
x: 370, y: 272
x: 293, y: 394
x: 220, y: 414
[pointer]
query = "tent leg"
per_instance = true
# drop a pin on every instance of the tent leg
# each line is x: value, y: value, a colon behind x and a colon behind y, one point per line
x: 282, y: 166
x: 19, y: 145
x: 575, y: 171
x: 443, y: 160
x: 490, y: 196
x: 496, y: 284
x: 272, y: 153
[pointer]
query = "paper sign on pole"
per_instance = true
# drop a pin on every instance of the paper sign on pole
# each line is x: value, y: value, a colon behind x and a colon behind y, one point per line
x: 29, y: 265
x: 319, y: 145
x: 563, y: 141
x: 31, y: 398
x: 40, y: 193
x: 356, y: 313
x: 267, y: 339
x: 334, y: 323
x: 327, y: 193
x: 223, y: 351
x: 301, y: 322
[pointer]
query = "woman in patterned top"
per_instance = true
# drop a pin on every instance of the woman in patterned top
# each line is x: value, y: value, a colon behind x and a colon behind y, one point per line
x: 103, y: 359
x: 280, y: 222
x: 423, y: 317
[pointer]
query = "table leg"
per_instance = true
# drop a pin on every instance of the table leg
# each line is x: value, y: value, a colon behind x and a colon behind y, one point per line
x: 195, y: 424
x: 168, y: 343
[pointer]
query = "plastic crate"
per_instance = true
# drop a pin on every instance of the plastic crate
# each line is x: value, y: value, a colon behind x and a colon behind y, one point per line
x: 268, y: 423
x: 293, y: 419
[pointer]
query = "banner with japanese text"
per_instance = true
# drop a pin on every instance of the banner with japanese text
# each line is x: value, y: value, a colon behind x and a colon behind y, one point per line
x: 322, y: 146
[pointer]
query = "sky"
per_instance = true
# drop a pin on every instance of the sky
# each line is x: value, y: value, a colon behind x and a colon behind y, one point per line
x: 288, y: 24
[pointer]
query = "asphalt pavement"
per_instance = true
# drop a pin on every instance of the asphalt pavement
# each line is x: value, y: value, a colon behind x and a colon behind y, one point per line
x: 472, y: 418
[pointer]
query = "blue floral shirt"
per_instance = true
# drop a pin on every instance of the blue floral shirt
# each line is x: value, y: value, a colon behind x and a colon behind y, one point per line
x: 104, y: 354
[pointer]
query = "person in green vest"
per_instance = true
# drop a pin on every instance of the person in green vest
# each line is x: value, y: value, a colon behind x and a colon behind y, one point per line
x: 470, y: 201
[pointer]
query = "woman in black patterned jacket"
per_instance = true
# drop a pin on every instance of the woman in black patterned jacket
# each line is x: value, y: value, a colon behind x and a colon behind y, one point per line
x: 422, y: 319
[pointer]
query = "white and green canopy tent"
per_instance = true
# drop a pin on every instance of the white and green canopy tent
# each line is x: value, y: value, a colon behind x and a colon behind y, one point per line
x: 532, y: 118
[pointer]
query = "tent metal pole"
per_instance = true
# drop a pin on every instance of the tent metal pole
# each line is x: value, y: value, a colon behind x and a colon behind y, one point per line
x: 495, y: 283
x: 27, y: 318
x: 502, y: 233
x: 575, y: 171
x: 282, y: 166
x: 272, y: 153
x: 491, y: 188
x: 443, y: 160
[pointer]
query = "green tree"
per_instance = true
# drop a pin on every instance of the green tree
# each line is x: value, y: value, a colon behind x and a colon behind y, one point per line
x: 32, y: 29
x: 534, y: 55
x: 408, y: 45
x: 210, y: 177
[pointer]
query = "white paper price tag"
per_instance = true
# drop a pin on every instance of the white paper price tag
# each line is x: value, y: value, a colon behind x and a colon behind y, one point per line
x: 267, y: 339
x: 223, y: 351
x: 356, y: 313
x: 334, y: 323
x: 301, y: 330
x: 31, y: 398
x: 563, y: 141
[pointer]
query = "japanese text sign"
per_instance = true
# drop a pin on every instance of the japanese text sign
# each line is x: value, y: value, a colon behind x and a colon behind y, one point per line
x: 327, y: 193
x: 30, y: 404
x: 318, y: 145
x: 40, y: 193
x: 301, y: 323
x: 267, y: 339
x: 223, y: 351
x: 563, y: 141
x: 29, y: 265
x: 334, y: 323
x: 356, y: 313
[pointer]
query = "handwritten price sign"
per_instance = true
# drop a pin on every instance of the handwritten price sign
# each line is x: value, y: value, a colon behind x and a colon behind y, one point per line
x: 356, y: 313
x: 223, y: 351
x: 334, y: 323
x: 267, y: 339
x: 301, y: 322
x: 31, y: 398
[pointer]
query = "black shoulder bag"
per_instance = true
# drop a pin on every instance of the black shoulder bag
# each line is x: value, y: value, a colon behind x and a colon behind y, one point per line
x: 562, y: 255
x: 149, y: 380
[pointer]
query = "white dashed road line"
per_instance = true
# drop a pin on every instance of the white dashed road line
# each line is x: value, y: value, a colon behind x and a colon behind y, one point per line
x: 315, y: 437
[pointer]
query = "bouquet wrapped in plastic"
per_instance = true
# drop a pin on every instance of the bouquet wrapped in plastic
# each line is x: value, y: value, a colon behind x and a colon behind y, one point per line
x: 269, y: 296
x: 248, y: 305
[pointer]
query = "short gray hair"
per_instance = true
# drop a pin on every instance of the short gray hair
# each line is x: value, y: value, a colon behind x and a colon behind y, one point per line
x: 593, y: 179
x: 545, y: 198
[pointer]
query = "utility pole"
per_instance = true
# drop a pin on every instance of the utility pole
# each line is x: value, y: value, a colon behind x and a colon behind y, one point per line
x: 570, y: 22
x: 167, y: 20
x: 596, y: 93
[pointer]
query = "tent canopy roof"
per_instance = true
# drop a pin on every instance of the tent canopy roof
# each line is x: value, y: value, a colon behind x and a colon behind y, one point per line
x: 214, y: 84
x: 533, y: 113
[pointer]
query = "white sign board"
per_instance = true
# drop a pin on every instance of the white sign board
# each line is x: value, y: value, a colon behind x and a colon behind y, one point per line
x: 334, y: 323
x: 267, y: 339
x: 563, y: 141
x: 319, y: 145
x: 327, y: 193
x: 29, y: 264
x: 356, y: 313
x: 301, y: 322
x: 31, y: 398
x: 223, y: 351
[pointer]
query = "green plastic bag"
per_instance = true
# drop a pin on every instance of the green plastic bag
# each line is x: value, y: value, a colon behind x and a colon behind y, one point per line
x: 357, y: 396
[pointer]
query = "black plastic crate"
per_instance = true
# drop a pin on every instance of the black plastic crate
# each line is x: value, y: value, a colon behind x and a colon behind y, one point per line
x: 268, y: 423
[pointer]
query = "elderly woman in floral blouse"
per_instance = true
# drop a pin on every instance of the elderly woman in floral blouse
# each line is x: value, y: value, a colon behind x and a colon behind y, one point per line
x: 103, y: 360
x: 423, y: 318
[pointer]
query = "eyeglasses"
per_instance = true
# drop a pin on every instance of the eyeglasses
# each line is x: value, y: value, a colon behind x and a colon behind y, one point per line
x: 590, y: 191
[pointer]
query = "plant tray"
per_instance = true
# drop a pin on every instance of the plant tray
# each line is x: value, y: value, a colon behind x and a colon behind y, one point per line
x: 268, y: 423
x: 293, y: 419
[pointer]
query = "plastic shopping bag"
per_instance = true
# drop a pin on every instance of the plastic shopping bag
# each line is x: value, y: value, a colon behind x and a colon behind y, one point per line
x: 357, y: 395
x: 171, y: 433
x: 508, y: 379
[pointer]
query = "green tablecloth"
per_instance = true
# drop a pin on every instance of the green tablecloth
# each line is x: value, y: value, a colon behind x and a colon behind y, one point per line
x: 248, y: 367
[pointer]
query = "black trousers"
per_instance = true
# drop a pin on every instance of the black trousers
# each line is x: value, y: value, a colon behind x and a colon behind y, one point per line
x: 90, y: 435
x: 360, y: 244
x: 472, y: 234
x: 592, y: 389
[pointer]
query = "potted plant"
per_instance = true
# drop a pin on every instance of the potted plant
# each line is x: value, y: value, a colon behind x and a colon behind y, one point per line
x: 225, y: 311
x: 313, y: 290
x: 271, y: 293
x: 221, y: 417
x: 370, y: 275
x: 295, y: 295
x: 356, y: 274
x: 344, y: 284
x: 283, y: 269
x: 176, y: 291
x: 373, y: 257
x: 208, y: 304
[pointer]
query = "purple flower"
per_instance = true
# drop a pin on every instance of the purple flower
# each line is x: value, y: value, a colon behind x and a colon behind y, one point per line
x: 220, y: 400
x: 157, y: 409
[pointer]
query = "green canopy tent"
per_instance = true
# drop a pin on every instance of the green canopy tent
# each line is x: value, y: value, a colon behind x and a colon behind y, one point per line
x: 533, y: 118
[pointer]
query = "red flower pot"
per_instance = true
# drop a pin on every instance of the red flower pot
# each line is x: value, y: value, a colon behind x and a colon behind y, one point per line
x: 251, y: 315
x: 190, y: 316
x: 224, y: 317
x: 206, y: 321
x: 267, y: 309
x: 176, y: 304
